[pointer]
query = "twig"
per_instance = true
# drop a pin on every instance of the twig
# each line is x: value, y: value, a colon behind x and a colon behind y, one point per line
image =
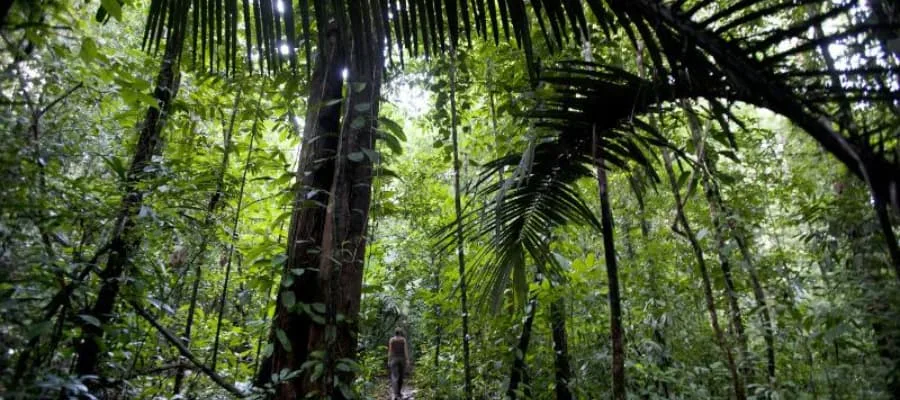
x: 185, y: 352
x: 68, y: 93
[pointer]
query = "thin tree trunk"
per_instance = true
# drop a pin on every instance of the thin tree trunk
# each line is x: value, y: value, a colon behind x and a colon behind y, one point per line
x: 437, y: 315
x: 612, y: 273
x: 519, y: 374
x: 207, y: 226
x: 884, y: 220
x: 234, y: 238
x: 765, y: 311
x: 736, y: 380
x: 719, y: 228
x: 658, y: 336
x: 737, y: 319
x: 561, y: 368
x: 716, y: 209
x: 460, y: 252
x: 126, y: 237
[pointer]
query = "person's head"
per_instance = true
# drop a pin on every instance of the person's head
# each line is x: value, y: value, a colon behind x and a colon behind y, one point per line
x: 398, y: 331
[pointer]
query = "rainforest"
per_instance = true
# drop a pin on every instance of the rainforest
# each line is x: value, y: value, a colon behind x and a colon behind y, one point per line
x: 450, y: 199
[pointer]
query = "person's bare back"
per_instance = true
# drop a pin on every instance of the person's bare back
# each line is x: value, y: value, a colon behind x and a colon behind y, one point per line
x: 398, y: 362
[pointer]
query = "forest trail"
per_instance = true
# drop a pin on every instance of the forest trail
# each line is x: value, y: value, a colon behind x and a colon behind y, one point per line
x: 408, y: 392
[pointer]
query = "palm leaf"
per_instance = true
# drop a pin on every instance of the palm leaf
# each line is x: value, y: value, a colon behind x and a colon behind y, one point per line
x: 731, y: 43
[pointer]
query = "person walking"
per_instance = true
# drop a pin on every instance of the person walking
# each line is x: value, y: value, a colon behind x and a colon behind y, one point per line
x: 398, y: 362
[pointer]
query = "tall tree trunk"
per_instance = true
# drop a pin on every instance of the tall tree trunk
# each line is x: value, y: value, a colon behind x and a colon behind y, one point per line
x: 519, y: 374
x: 460, y: 250
x: 612, y: 273
x: 342, y: 167
x: 126, y: 237
x: 561, y: 367
x: 344, y: 236
x: 289, y: 336
x: 736, y: 380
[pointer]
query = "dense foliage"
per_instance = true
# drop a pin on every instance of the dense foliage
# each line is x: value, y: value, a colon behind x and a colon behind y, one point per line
x: 630, y: 210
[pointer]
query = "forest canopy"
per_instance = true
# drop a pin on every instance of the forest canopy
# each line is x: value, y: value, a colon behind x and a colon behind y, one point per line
x: 572, y: 199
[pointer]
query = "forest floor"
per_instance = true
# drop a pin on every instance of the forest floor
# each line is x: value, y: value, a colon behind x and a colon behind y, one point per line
x: 408, y: 392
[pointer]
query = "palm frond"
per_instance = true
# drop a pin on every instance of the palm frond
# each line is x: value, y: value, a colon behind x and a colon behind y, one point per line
x: 518, y: 215
x: 732, y: 44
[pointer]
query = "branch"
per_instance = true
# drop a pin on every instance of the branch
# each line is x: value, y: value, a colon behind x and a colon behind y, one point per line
x: 185, y: 352
x: 159, y: 370
x: 68, y: 93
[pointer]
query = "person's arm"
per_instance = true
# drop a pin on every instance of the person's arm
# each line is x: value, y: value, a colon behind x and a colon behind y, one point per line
x: 389, y: 349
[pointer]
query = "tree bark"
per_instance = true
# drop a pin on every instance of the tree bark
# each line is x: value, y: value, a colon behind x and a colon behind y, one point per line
x: 612, y: 273
x: 887, y: 229
x: 314, y: 180
x: 736, y: 380
x: 344, y: 236
x: 519, y: 374
x: 327, y: 241
x: 562, y: 370
x: 126, y: 237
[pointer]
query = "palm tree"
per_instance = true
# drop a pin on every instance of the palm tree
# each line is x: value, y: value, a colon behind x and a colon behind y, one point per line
x: 726, y: 59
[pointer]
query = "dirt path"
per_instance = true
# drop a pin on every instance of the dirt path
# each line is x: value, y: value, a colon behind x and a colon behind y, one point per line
x: 408, y: 392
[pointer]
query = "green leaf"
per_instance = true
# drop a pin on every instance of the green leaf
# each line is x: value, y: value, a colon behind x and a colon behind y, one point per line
x: 283, y: 339
x: 279, y: 260
x: 90, y: 319
x: 345, y: 390
x: 363, y: 107
x: 391, y: 141
x: 392, y: 127
x: 317, y: 371
x: 372, y: 154
x: 288, y: 298
x: 356, y: 156
x: 88, y: 51
x: 38, y: 329
x: 359, y: 122
x: 359, y: 86
x: 116, y: 165
x: 113, y: 8
x: 281, y: 218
